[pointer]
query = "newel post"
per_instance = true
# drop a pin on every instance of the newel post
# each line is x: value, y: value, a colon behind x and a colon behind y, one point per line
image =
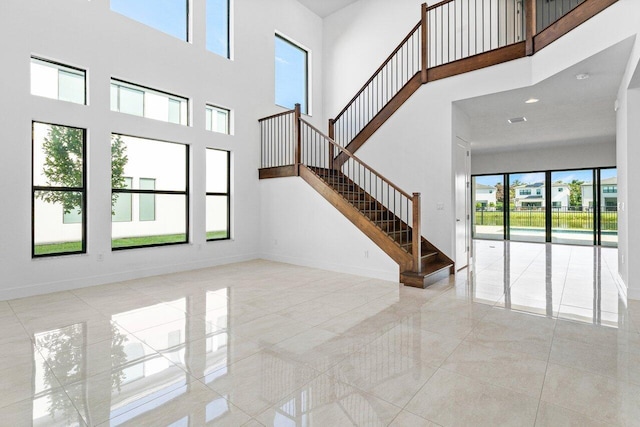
x: 416, y: 234
x: 332, y: 123
x: 424, y: 77
x: 298, y: 137
x: 530, y: 14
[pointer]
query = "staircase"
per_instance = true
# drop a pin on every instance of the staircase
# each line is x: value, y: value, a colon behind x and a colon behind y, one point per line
x: 388, y: 230
x: 451, y: 38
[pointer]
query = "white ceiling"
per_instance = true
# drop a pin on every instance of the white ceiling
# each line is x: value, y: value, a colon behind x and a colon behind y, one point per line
x: 570, y: 111
x: 324, y: 8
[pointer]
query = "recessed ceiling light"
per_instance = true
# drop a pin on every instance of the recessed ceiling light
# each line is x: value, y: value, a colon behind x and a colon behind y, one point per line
x: 583, y: 76
x: 531, y: 101
x: 517, y: 120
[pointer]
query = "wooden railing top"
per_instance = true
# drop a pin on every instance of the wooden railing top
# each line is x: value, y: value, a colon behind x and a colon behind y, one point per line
x: 375, y: 172
x: 273, y: 116
x: 373, y: 76
x: 437, y: 5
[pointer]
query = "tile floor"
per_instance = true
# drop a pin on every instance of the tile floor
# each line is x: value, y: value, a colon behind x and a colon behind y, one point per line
x: 534, y: 335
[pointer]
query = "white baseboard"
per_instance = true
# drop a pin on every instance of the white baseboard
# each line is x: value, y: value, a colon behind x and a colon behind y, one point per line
x: 83, y: 282
x: 391, y: 276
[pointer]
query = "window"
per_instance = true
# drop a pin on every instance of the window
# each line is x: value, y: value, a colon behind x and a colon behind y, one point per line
x: 526, y: 192
x: 556, y: 204
x: 217, y: 119
x: 291, y: 75
x: 122, y: 206
x: 144, y: 102
x: 156, y: 193
x: 218, y: 27
x: 538, y: 192
x: 560, y: 189
x: 147, y: 201
x: 218, y: 194
x: 609, y: 189
x: 168, y: 16
x: 59, y: 186
x: 57, y: 81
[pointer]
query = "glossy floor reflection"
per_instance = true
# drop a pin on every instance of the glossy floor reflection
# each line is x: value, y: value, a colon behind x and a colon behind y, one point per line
x: 533, y: 334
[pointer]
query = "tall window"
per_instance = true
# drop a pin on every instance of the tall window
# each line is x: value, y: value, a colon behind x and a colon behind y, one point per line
x: 218, y: 194
x: 218, y: 27
x: 144, y: 102
x: 291, y: 75
x: 57, y: 81
x: 150, y: 178
x: 59, y: 190
x: 217, y: 119
x: 168, y: 16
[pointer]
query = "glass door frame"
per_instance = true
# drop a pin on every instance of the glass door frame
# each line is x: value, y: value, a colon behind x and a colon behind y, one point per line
x: 597, y: 202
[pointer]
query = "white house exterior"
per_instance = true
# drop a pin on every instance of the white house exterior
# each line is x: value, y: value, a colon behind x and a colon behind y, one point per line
x: 485, y: 196
x: 533, y: 195
x: 608, y: 194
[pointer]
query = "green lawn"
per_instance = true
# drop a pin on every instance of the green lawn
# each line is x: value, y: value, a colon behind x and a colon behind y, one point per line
x: 127, y: 242
x: 222, y: 234
x: 56, y: 248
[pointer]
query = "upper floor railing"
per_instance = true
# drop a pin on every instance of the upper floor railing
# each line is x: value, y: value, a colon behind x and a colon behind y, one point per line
x: 454, y: 30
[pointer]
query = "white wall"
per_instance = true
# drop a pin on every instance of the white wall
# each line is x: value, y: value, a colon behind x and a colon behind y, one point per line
x: 300, y: 227
x: 86, y: 34
x: 550, y: 158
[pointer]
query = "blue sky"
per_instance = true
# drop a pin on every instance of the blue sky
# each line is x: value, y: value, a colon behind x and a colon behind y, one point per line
x: 291, y: 75
x: 218, y: 27
x: 169, y: 16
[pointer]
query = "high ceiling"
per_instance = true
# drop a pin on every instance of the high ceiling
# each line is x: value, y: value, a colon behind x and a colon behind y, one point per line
x: 570, y: 111
x: 324, y: 8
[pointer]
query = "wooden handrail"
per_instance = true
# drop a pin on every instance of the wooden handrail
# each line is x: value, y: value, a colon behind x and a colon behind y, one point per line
x: 335, y: 144
x: 373, y: 76
x: 284, y: 113
x: 437, y: 5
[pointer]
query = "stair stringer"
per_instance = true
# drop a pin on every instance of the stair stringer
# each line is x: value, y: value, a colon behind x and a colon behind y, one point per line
x: 379, y: 237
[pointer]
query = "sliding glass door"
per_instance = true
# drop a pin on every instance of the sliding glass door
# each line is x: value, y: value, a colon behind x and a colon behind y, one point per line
x: 608, y: 199
x: 527, y: 201
x: 577, y: 207
x: 488, y: 203
x: 573, y: 218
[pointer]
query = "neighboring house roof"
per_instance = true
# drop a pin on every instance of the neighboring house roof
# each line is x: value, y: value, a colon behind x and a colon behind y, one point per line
x: 484, y: 187
x: 607, y: 181
x: 535, y: 185
x: 533, y: 197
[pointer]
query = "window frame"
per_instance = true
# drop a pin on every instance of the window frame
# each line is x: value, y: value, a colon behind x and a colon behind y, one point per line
x: 228, y: 53
x: 227, y: 194
x: 307, y: 74
x: 184, y: 193
x: 82, y: 190
x: 146, y: 89
x: 60, y: 67
x: 215, y: 108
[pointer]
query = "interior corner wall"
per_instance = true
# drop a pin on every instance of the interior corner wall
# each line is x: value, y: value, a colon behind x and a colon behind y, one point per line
x: 87, y: 35
x: 628, y: 152
x: 300, y: 227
